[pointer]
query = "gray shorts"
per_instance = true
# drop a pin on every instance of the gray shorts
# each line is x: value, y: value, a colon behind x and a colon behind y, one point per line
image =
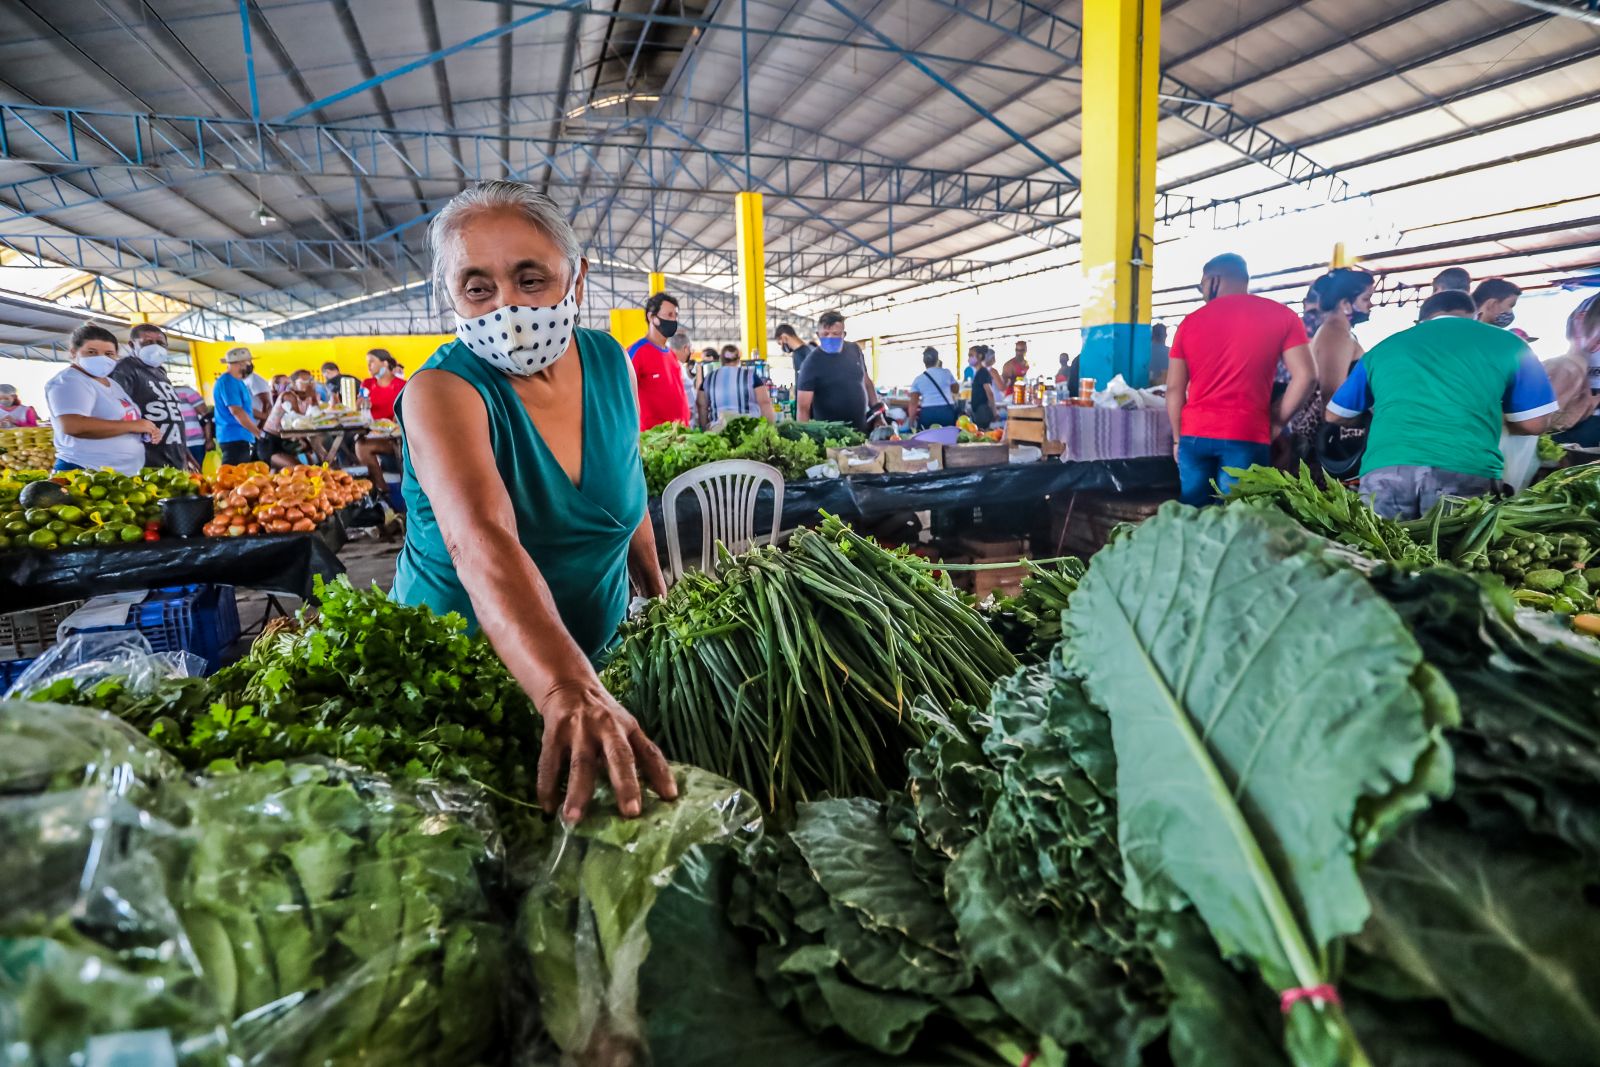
x: 1408, y: 492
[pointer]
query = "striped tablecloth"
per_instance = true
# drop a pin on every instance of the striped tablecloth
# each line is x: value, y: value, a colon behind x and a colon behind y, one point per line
x: 1108, y: 433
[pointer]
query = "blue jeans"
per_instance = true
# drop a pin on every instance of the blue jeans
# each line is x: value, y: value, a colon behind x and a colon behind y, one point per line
x: 66, y: 465
x: 1202, y: 460
x: 936, y: 415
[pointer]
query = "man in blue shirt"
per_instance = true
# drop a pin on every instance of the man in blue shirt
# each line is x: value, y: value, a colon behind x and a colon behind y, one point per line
x: 232, y: 402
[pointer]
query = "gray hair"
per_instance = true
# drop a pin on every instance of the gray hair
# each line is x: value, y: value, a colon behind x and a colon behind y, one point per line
x: 535, y: 206
x: 678, y: 342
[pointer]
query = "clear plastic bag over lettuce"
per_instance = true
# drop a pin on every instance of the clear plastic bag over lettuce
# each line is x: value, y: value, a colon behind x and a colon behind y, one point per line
x: 583, y: 924
x: 87, y: 658
x: 287, y: 914
x: 91, y: 945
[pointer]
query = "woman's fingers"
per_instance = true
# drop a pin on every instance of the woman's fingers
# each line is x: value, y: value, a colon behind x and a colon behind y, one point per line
x: 619, y: 765
x: 657, y: 772
x: 580, y: 781
x: 551, y: 750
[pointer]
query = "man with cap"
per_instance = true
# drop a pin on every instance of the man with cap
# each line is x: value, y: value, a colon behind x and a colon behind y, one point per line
x: 232, y: 403
x: 143, y: 376
x: 13, y: 412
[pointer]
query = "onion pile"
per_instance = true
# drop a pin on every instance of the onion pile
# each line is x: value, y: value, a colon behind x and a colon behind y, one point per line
x: 252, y: 499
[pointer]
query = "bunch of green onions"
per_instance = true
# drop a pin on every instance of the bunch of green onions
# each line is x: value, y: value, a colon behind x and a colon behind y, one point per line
x: 792, y: 671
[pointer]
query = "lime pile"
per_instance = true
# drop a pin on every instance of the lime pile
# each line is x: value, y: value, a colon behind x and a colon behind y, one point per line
x: 81, y: 509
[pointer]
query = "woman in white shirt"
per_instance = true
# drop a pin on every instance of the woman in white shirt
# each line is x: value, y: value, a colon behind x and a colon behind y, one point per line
x: 935, y: 390
x: 93, y: 421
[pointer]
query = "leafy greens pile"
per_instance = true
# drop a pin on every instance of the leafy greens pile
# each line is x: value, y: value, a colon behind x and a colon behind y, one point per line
x: 1334, y: 512
x: 1285, y: 722
x: 375, y: 683
x: 793, y: 447
x: 670, y: 449
x: 792, y: 670
x: 985, y: 907
x: 1030, y: 622
x: 292, y: 914
x: 1539, y: 542
x: 1486, y: 908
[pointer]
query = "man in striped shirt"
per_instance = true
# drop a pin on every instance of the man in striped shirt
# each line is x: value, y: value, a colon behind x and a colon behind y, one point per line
x: 731, y: 389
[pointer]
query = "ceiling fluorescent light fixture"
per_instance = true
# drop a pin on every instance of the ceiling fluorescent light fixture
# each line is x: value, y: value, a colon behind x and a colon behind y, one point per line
x: 613, y: 101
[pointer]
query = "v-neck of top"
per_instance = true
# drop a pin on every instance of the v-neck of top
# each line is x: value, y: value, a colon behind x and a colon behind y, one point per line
x: 546, y: 452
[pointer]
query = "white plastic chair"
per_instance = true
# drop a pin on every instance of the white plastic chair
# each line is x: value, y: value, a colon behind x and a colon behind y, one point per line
x: 727, y: 492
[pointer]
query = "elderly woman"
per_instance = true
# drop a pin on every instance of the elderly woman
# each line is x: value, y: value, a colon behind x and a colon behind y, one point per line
x: 523, y: 481
x: 95, y: 423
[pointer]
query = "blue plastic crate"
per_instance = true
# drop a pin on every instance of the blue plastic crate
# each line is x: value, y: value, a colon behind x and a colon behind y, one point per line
x: 202, y: 619
x: 11, y: 670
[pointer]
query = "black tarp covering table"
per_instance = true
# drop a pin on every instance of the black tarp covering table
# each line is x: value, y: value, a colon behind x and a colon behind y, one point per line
x: 874, y: 496
x: 275, y: 563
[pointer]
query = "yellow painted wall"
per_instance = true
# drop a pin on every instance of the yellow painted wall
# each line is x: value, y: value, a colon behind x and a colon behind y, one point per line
x: 286, y: 357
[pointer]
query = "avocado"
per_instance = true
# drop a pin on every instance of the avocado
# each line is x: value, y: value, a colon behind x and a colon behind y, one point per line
x: 43, y: 495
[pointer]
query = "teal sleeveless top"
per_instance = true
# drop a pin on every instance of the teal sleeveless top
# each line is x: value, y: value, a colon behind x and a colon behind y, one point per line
x: 576, y: 535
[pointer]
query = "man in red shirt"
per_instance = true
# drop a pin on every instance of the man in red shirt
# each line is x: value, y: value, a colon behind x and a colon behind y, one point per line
x: 661, y: 395
x: 1219, y: 379
x: 1016, y: 367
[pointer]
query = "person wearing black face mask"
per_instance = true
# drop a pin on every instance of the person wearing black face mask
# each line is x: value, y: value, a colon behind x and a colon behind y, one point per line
x: 789, y: 340
x: 661, y: 396
x: 1344, y: 301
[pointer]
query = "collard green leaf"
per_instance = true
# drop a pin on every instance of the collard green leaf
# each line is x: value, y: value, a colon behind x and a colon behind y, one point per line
x: 1218, y: 1017
x: 1420, y: 1034
x: 846, y: 844
x: 1044, y: 980
x: 1257, y: 693
x: 1503, y: 930
x: 699, y: 994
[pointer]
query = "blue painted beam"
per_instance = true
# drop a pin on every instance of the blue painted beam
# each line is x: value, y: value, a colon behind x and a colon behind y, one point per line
x: 1048, y: 32
x: 430, y: 59
x: 36, y: 134
x: 249, y: 61
x: 834, y: 41
x: 949, y: 86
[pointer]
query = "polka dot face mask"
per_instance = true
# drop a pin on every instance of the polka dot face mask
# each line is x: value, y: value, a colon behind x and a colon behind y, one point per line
x: 521, y: 340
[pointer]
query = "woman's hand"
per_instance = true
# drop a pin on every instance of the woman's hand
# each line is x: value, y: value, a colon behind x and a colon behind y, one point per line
x: 583, y: 724
x: 144, y: 427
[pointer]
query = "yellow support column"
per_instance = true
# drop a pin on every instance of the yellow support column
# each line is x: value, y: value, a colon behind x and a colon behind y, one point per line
x: 658, y: 283
x: 628, y: 325
x: 960, y: 361
x: 1340, y: 257
x: 1121, y: 68
x: 748, y: 227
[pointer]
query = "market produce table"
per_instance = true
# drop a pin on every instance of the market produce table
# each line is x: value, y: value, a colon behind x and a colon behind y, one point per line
x: 874, y: 496
x: 276, y: 563
x: 325, y: 443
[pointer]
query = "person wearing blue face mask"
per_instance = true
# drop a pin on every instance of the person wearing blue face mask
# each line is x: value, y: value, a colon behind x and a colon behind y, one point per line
x: 833, y: 384
x: 95, y: 424
x: 143, y: 373
x: 524, y: 486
